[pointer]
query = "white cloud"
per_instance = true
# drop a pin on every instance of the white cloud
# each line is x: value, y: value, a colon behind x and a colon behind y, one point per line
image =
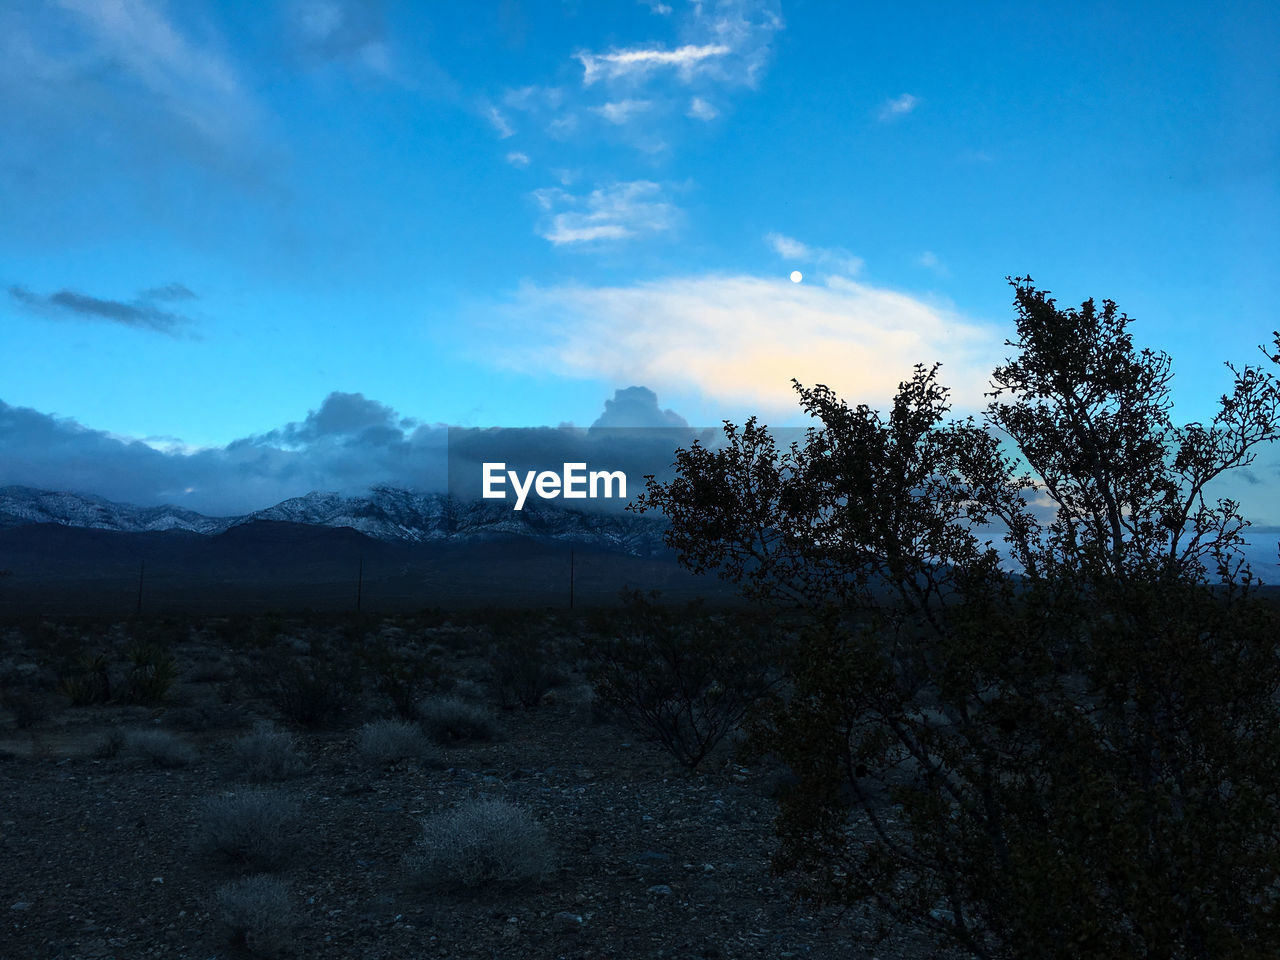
x: 498, y: 121
x: 700, y: 109
x: 740, y: 339
x: 533, y: 98
x: 518, y: 159
x: 898, y: 106
x: 836, y: 258
x: 621, y: 111
x: 562, y: 126
x: 614, y: 212
x: 656, y: 6
x: 930, y: 260
x: 641, y: 60
x: 725, y: 41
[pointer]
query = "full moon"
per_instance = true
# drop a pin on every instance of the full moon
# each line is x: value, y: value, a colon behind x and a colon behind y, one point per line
x: 796, y: 276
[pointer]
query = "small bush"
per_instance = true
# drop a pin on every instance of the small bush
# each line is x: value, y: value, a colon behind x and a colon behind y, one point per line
x: 402, y: 678
x: 453, y: 720
x: 202, y: 717
x: 27, y: 707
x: 479, y: 843
x: 151, y: 674
x: 267, y: 754
x: 109, y: 745
x: 248, y: 828
x: 160, y: 747
x: 386, y: 741
x: 88, y: 681
x: 683, y: 678
x: 311, y: 691
x: 255, y: 914
x: 524, y: 670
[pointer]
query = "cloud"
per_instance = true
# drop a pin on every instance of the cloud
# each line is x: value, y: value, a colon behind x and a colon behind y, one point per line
x: 836, y: 258
x: 169, y: 291
x: 350, y: 30
x: 344, y: 415
x: 740, y: 339
x: 142, y: 312
x: 347, y: 445
x: 498, y: 121
x: 725, y: 42
x: 898, y: 106
x: 614, y: 212
x: 637, y: 407
x: 323, y: 452
x: 930, y: 261
x: 700, y: 109
x: 518, y: 159
x: 534, y: 98
x: 621, y: 111
x: 197, y: 86
x: 641, y: 60
x: 655, y: 6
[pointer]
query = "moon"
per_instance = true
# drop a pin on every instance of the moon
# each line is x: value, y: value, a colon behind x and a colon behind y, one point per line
x: 796, y: 276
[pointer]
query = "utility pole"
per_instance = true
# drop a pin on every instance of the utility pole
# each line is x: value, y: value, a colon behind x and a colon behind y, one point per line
x: 142, y: 568
x: 359, y: 584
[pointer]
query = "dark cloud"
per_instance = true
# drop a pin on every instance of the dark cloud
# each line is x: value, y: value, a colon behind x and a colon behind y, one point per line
x: 637, y: 407
x: 346, y: 445
x: 170, y: 291
x: 142, y: 313
x: 633, y: 435
x: 40, y: 450
x: 344, y: 417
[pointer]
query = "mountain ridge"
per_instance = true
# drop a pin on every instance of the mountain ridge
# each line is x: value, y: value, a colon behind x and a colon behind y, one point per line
x: 386, y: 513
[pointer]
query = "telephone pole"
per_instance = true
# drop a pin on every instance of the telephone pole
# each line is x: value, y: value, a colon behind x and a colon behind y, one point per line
x: 359, y: 584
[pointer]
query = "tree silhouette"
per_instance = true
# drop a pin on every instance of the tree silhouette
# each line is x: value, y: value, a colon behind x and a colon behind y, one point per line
x: 1071, y: 750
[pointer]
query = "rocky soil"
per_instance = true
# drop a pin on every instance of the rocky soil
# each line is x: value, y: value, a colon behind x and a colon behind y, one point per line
x: 100, y: 854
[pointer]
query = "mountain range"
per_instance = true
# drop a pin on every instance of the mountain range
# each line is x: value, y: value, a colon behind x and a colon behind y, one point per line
x: 388, y: 514
x: 70, y: 553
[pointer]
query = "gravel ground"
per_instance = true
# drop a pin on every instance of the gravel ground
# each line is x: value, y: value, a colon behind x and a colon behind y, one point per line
x: 100, y: 857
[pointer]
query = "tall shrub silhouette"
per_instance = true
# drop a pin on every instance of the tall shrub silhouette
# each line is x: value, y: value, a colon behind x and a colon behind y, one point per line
x: 681, y: 677
x: 1069, y: 751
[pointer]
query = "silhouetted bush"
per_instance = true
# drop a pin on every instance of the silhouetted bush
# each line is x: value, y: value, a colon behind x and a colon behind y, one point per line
x: 108, y: 745
x: 312, y: 691
x: 386, y: 741
x: 152, y: 672
x: 160, y: 747
x: 251, y: 828
x: 27, y: 707
x: 267, y: 754
x: 524, y: 668
x: 680, y: 677
x: 1079, y: 759
x: 255, y: 914
x: 479, y: 843
x: 451, y: 720
x: 88, y: 680
x: 403, y: 678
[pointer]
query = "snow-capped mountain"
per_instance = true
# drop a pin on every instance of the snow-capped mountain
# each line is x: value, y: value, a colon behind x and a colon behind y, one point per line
x: 389, y: 513
x: 385, y: 513
x: 22, y: 505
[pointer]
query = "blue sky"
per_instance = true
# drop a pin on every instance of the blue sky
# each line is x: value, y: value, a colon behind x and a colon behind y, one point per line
x: 250, y: 249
